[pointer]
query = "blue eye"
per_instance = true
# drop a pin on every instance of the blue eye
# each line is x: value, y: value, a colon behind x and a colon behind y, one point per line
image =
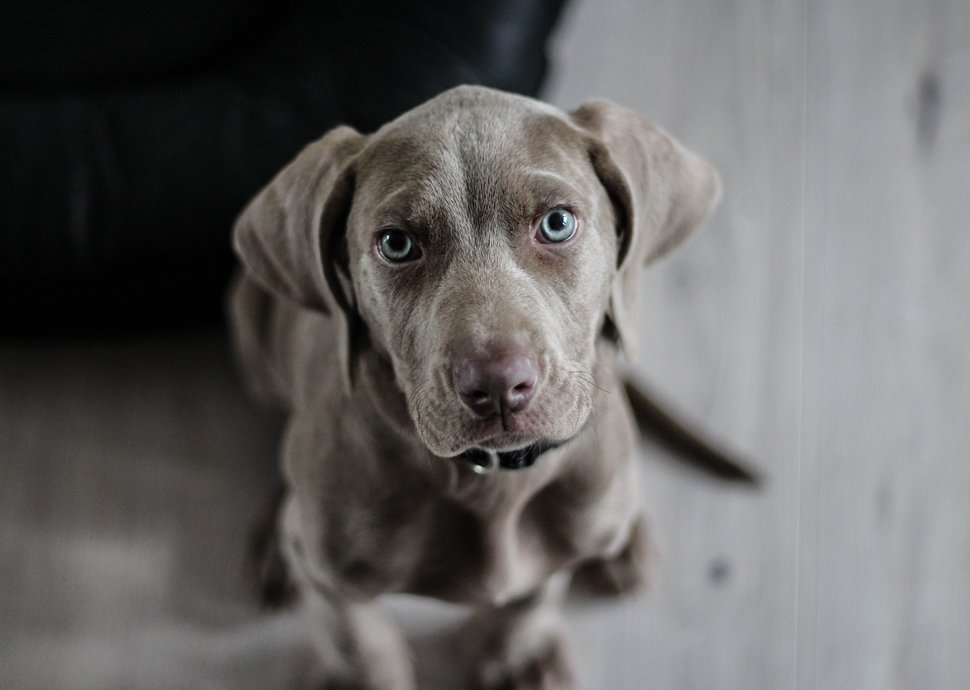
x: 558, y: 225
x: 397, y: 246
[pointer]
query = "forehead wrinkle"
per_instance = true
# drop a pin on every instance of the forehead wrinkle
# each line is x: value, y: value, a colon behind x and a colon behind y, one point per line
x: 543, y: 192
x: 550, y: 183
x: 388, y: 209
x: 495, y: 203
x: 425, y: 200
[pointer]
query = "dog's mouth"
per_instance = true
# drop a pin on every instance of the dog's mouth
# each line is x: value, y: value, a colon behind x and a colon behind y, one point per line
x: 449, y: 432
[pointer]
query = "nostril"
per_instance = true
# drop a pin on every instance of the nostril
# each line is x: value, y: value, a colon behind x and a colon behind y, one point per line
x: 518, y: 396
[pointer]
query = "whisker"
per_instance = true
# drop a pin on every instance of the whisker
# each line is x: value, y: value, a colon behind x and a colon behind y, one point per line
x: 587, y: 375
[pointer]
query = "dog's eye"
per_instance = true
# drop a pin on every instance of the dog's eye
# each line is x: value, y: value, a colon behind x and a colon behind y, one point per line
x: 558, y: 225
x: 397, y: 246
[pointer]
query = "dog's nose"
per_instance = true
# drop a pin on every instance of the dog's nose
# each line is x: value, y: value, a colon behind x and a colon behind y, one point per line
x: 494, y: 384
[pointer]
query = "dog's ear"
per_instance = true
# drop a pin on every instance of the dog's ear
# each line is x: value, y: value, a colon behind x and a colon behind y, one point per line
x: 660, y: 193
x: 291, y: 236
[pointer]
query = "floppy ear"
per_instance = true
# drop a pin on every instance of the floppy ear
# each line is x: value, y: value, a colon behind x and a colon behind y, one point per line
x: 290, y: 234
x: 660, y: 192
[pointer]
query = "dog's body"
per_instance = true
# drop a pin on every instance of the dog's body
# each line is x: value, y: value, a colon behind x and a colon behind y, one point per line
x: 486, y: 335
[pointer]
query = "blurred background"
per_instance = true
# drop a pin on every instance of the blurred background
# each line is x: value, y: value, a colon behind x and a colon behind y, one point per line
x: 820, y: 324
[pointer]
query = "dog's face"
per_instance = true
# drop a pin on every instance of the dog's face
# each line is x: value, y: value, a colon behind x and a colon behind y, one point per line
x: 483, y: 242
x: 481, y: 259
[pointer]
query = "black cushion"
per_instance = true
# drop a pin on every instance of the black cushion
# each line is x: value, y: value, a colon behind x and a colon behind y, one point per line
x: 133, y: 133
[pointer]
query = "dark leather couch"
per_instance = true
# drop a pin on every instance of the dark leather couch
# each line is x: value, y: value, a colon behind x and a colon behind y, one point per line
x: 131, y: 133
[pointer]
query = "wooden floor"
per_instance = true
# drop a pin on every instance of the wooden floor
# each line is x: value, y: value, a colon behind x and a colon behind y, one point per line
x: 821, y: 323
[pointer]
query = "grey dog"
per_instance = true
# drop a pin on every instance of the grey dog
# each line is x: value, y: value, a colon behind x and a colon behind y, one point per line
x: 442, y: 307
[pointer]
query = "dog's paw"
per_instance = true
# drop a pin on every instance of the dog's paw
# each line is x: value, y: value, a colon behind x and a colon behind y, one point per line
x: 547, y: 667
x: 625, y: 573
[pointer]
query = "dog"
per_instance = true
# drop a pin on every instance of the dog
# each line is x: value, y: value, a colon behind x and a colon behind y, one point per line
x: 442, y: 308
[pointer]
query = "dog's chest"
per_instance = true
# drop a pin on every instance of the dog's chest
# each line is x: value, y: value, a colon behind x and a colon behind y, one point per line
x: 492, y: 544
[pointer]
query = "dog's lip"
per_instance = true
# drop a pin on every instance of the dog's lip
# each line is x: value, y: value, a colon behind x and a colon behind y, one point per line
x: 512, y: 441
x: 492, y: 438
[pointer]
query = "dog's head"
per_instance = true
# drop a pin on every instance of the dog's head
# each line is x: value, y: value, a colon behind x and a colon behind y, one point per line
x: 482, y: 244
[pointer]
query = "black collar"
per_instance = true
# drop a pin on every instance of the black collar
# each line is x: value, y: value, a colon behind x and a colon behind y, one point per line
x: 484, y: 461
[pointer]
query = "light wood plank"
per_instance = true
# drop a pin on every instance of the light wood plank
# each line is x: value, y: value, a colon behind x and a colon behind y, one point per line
x: 886, y: 381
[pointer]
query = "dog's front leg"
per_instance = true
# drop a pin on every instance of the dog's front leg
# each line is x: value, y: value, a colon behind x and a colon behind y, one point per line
x: 359, y: 646
x: 522, y: 645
